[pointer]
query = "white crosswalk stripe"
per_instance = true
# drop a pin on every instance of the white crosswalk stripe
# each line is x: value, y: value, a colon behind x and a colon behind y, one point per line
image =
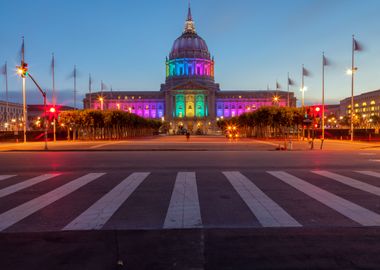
x: 22, y: 211
x: 184, y: 210
x: 351, y: 210
x: 267, y: 211
x: 350, y: 182
x: 25, y: 184
x: 4, y: 177
x: 370, y: 173
x: 99, y: 213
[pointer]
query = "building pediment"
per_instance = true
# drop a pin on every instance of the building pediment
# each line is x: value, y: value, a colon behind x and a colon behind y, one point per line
x: 190, y: 86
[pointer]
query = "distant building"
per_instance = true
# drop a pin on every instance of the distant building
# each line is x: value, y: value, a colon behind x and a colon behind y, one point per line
x: 10, y: 114
x: 366, y: 104
x: 190, y: 98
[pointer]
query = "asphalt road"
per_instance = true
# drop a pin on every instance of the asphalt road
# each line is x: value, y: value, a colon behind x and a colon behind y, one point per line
x: 190, y: 209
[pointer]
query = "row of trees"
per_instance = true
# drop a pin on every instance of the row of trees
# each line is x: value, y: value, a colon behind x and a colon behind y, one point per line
x: 267, y: 122
x: 282, y: 121
x: 110, y: 124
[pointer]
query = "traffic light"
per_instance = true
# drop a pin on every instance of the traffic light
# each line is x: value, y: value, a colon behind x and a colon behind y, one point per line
x: 52, y: 113
x: 317, y: 111
x: 22, y: 70
x: 307, y: 113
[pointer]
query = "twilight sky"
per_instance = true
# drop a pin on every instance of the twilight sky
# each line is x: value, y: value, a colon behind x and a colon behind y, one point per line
x: 255, y: 42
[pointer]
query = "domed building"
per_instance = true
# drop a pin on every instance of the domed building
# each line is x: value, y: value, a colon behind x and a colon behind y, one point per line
x: 189, y: 99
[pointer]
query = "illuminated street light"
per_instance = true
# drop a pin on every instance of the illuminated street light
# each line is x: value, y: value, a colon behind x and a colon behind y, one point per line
x: 101, y: 99
x: 349, y: 71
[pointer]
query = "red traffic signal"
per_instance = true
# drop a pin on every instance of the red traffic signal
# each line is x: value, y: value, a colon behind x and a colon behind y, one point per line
x: 52, y: 110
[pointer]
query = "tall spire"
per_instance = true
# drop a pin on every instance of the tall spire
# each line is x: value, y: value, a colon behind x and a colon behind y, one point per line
x: 189, y: 24
x: 189, y: 17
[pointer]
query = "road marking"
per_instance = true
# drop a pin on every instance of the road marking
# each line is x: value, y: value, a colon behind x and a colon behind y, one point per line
x: 100, y: 212
x: 375, y: 160
x: 350, y: 182
x: 370, y: 173
x: 25, y: 184
x: 4, y: 177
x: 264, y: 142
x: 105, y: 144
x: 184, y: 210
x: 353, y: 211
x: 367, y: 154
x: 267, y: 211
x: 22, y: 211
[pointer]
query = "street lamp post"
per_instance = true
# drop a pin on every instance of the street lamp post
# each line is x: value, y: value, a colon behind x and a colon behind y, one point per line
x: 23, y: 72
x: 25, y: 116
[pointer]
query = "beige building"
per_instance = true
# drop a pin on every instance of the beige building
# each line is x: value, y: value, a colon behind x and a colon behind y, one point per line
x: 366, y: 104
x: 10, y: 115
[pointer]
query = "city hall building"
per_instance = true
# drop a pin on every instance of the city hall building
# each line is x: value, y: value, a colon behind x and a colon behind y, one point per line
x: 190, y: 98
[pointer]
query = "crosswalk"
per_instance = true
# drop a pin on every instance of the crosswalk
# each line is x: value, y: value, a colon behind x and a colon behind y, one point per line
x: 189, y: 199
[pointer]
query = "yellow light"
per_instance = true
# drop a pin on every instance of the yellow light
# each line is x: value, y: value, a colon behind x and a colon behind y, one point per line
x: 101, y: 99
x: 20, y: 71
x: 351, y: 71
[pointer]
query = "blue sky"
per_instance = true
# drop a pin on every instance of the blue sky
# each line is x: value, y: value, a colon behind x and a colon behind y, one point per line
x: 124, y: 42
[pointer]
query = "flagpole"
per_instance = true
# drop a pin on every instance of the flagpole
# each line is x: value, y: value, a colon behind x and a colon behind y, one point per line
x: 6, y: 93
x: 352, y: 87
x: 75, y: 87
x: 303, y: 87
x: 89, y: 88
x: 288, y: 92
x: 323, y: 96
x: 54, y: 98
x: 25, y: 121
x: 53, y: 79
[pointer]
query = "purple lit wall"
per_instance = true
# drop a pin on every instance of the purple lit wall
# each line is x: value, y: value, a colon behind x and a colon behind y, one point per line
x: 232, y: 108
x: 144, y: 108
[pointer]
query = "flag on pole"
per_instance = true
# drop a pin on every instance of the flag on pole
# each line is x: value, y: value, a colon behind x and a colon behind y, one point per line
x: 326, y: 62
x: 3, y: 69
x: 21, y: 53
x: 306, y: 72
x: 103, y: 86
x: 89, y: 82
x: 291, y: 82
x: 357, y: 46
x: 74, y: 73
x: 52, y: 65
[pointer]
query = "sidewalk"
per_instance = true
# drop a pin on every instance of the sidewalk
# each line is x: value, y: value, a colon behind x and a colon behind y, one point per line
x: 195, y: 144
x: 335, y: 145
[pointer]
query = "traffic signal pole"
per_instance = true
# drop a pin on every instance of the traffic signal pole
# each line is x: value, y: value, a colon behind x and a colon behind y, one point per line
x: 43, y: 93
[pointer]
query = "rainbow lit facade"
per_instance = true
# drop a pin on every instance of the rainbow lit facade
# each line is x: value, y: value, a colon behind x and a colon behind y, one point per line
x: 189, y: 67
x: 189, y: 99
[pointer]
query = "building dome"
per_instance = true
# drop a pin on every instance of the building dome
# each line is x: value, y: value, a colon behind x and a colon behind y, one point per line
x: 189, y: 44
